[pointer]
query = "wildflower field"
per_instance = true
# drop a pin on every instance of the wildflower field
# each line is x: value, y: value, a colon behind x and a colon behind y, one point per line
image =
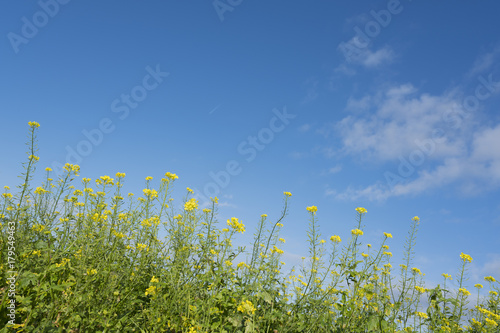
x: 81, y: 256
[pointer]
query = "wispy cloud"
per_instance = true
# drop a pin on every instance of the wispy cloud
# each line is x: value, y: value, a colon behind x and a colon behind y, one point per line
x: 399, y: 124
x: 304, y: 128
x: 485, y: 62
x: 365, y: 57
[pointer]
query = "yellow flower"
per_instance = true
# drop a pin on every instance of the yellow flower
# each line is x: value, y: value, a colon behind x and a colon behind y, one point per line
x: 120, y: 175
x: 422, y: 315
x: 464, y: 291
x: 48, y: 169
x: 490, y: 322
x: 478, y: 286
x: 420, y: 289
x: 263, y: 216
x: 190, y: 205
x: 416, y: 270
x: 33, y: 124
x: 489, y: 278
x: 387, y: 235
x: 335, y: 239
x: 312, y: 209
x: 150, y: 291
x: 465, y: 257
x: 282, y: 240
x: 388, y: 254
x: 364, y: 255
x: 236, y: 225
x: 149, y: 178
x: 357, y: 232
x: 288, y: 194
x: 275, y: 249
x: 446, y: 276
x: 206, y: 210
x: 189, y: 190
x: 152, y: 194
x: 243, y: 264
x: 416, y: 218
x: 385, y: 247
x: 246, y: 307
x: 91, y: 271
x: 228, y: 263
x: 322, y: 241
x: 171, y: 176
x: 361, y: 210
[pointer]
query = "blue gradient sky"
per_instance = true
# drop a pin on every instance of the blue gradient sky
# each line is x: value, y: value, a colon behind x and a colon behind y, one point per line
x: 388, y: 105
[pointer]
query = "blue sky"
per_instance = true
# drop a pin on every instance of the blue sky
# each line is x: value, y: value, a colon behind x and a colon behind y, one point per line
x: 387, y: 105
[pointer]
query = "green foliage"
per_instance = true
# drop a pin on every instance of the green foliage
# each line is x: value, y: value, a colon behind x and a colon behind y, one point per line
x: 88, y: 260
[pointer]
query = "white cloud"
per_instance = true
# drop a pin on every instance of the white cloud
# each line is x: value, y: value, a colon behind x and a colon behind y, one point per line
x: 374, y: 59
x: 335, y: 169
x: 484, y: 62
x: 363, y: 56
x: 400, y: 123
x: 304, y: 128
x: 400, y: 129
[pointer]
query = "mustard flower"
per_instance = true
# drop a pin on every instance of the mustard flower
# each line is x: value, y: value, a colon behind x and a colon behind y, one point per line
x: 422, y: 315
x: 335, y: 239
x: 420, y: 289
x: 464, y: 291
x: 446, y: 276
x: 312, y: 209
x: 236, y: 225
x: 357, y: 232
x: 190, y: 205
x: 361, y: 210
x: 246, y: 307
x: 489, y: 278
x: 150, y: 291
x: 387, y: 235
x: 465, y: 257
x: 288, y: 194
x: 33, y: 124
x: 171, y: 176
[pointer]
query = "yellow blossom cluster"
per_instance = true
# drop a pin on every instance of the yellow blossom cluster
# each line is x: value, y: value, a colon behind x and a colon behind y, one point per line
x: 246, y: 307
x: 335, y: 239
x: 361, y: 210
x: 236, y: 225
x: 357, y: 232
x: 312, y: 209
x: 465, y: 257
x: 191, y: 205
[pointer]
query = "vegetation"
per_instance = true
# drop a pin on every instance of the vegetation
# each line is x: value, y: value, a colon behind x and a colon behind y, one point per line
x: 91, y: 260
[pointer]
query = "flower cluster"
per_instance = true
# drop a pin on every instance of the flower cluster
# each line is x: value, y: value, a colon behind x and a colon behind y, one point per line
x: 236, y: 225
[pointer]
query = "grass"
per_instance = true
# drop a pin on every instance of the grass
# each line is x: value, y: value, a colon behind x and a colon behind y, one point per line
x: 90, y: 259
